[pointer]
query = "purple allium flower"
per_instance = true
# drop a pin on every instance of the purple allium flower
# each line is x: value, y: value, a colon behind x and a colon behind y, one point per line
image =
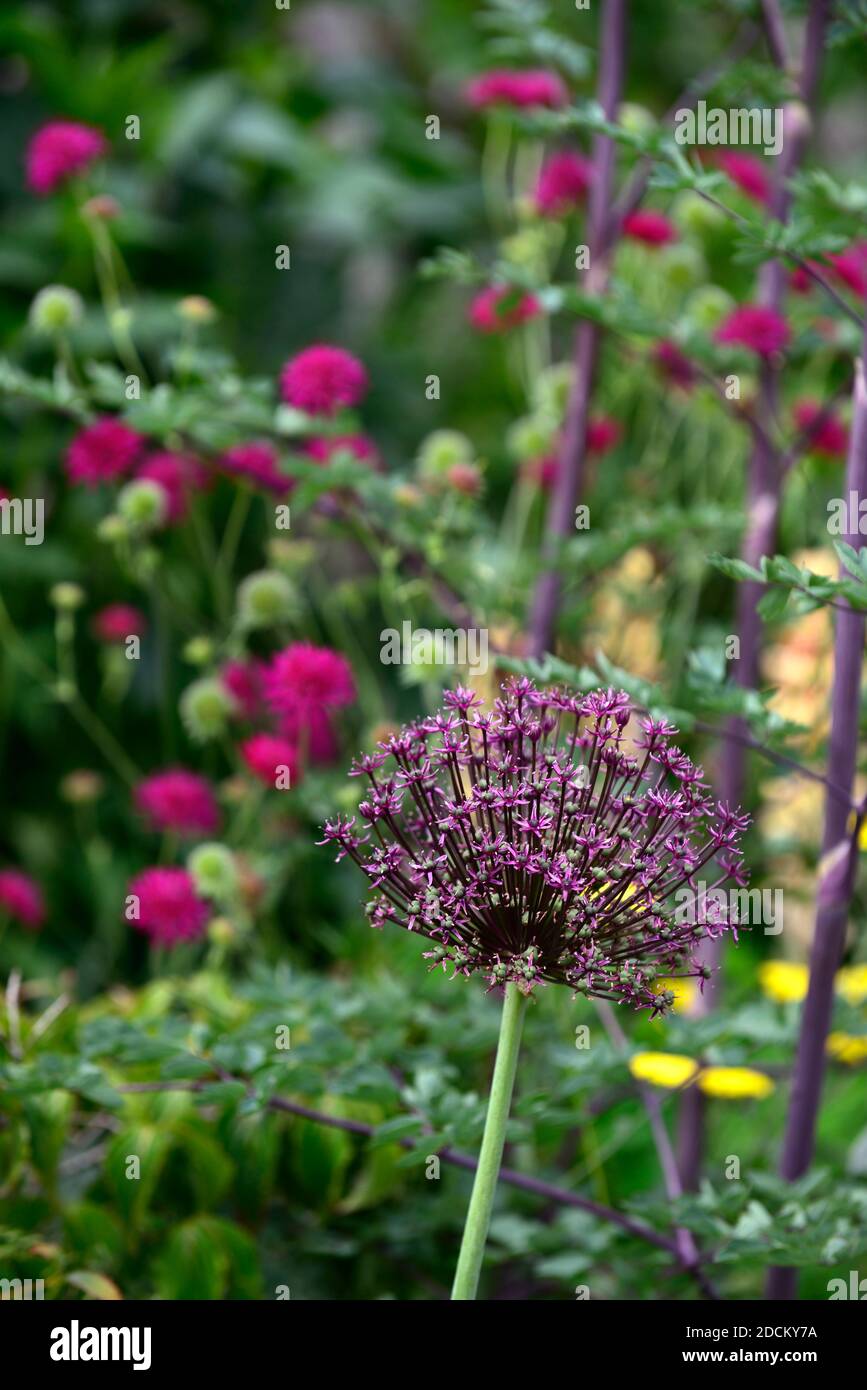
x: 541, y: 841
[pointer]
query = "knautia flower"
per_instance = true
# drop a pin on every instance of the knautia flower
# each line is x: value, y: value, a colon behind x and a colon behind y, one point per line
x: 500, y: 307
x: 757, y: 327
x: 562, y: 184
x: 259, y: 464
x: 322, y: 380
x: 540, y: 843
x: 103, y: 451
x: 179, y: 476
x: 118, y: 621
x: 21, y: 898
x: 59, y: 150
x: 649, y: 226
x: 163, y: 903
x: 178, y: 800
x: 272, y: 759
x: 507, y: 87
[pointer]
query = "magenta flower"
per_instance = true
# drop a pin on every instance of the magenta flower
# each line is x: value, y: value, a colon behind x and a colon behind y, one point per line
x: 243, y: 680
x: 266, y: 754
x: 543, y: 471
x: 118, y: 621
x: 179, y: 476
x: 541, y: 842
x: 310, y: 725
x: 673, y: 364
x: 169, y: 911
x: 653, y: 228
x: 828, y: 436
x: 562, y: 184
x: 748, y: 174
x: 603, y: 434
x: 850, y: 268
x: 303, y: 678
x: 102, y: 452
x: 754, y: 326
x: 323, y: 448
x: 322, y: 380
x: 58, y: 151
x: 505, y: 87
x: 178, y: 800
x: 259, y: 464
x: 500, y: 307
x: 21, y: 898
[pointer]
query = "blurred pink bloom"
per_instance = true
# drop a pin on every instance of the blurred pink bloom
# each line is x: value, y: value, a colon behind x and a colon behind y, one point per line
x: 673, y: 364
x: 505, y: 87
x: 756, y: 327
x: 563, y: 182
x: 542, y: 471
x: 311, y: 727
x: 118, y: 621
x: 59, y: 150
x: 603, y: 434
x: 649, y: 226
x: 465, y: 478
x: 243, y: 680
x: 103, y: 451
x: 323, y: 448
x: 303, y: 677
x: 178, y: 800
x: 850, y: 268
x: 258, y: 463
x: 322, y: 380
x: 748, y: 173
x: 21, y: 898
x: 168, y: 909
x: 485, y: 313
x: 179, y: 476
x: 265, y: 753
x: 831, y: 438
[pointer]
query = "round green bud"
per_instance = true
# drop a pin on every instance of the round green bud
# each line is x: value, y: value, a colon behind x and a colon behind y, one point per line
x: 441, y: 450
x: 195, y: 308
x: 708, y: 306
x: 56, y: 309
x: 143, y: 504
x: 531, y: 248
x: 636, y: 119
x: 66, y: 597
x: 682, y: 266
x: 265, y: 599
x: 552, y: 388
x: 695, y: 215
x: 213, y: 870
x: 531, y: 437
x: 199, y: 651
x: 206, y: 707
x: 112, y: 528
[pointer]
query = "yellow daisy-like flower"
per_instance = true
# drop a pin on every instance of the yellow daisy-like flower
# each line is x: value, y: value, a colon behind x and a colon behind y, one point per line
x: 735, y: 1083
x: 669, y: 1069
x: 784, y: 981
x: 851, y: 982
x: 685, y: 993
x: 846, y: 1047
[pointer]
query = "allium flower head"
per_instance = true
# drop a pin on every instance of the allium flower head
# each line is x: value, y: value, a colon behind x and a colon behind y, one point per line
x: 59, y: 150
x: 21, y: 898
x: 322, y: 380
x: 169, y: 909
x: 505, y: 87
x: 539, y: 842
x: 304, y: 677
x: 178, y: 800
x: 562, y: 184
x: 103, y: 451
x: 757, y: 327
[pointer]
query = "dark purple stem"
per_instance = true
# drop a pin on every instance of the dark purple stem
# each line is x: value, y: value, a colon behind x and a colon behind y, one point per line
x: 837, y: 867
x: 570, y: 475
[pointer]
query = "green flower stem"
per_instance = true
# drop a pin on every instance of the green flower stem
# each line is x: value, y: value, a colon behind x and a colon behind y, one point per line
x: 491, y: 1155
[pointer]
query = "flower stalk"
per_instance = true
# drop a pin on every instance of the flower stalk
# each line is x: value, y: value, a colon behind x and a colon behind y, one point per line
x: 491, y: 1154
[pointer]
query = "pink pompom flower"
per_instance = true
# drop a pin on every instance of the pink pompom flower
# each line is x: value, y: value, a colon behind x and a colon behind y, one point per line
x: 179, y: 801
x: 562, y: 184
x: 543, y: 471
x: 323, y: 448
x: 310, y: 727
x: 243, y: 680
x: 322, y: 380
x: 102, y: 452
x: 259, y: 464
x: 673, y: 364
x: 58, y: 151
x: 755, y: 326
x: 268, y: 755
x: 850, y: 268
x: 830, y: 437
x: 304, y: 677
x: 21, y: 898
x: 748, y: 174
x: 169, y: 910
x: 506, y: 87
x: 179, y: 476
x: 603, y: 434
x: 117, y: 621
x: 651, y: 227
x: 487, y: 314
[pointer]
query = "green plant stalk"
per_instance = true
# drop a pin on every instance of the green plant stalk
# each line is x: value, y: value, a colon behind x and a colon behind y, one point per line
x: 491, y: 1155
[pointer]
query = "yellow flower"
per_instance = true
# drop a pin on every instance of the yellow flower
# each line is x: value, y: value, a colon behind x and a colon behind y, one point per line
x: 845, y: 1047
x: 663, y: 1068
x: 851, y: 982
x: 685, y: 993
x: 735, y: 1083
x: 784, y: 981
